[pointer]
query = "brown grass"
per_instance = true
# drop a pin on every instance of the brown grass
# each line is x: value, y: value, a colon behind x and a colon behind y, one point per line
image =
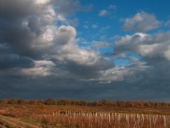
x: 104, y: 120
x: 90, y: 117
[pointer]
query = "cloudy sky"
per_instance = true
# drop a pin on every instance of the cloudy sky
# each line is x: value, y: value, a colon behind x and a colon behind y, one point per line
x: 86, y: 49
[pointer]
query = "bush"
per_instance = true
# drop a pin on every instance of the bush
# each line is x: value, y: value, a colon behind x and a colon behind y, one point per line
x: 12, y: 101
x: 63, y: 102
x: 20, y: 101
x: 50, y: 101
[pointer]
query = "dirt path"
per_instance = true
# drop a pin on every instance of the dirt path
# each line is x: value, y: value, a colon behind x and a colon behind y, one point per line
x: 11, y: 122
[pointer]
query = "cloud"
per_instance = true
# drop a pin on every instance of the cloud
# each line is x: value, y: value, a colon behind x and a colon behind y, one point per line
x: 104, y: 29
x: 141, y: 22
x: 137, y: 86
x: 12, y: 61
x: 17, y: 9
x: 32, y: 36
x: 100, y: 44
x: 116, y: 37
x: 103, y: 37
x: 61, y: 18
x: 167, y: 23
x: 40, y: 53
x: 151, y: 47
x: 27, y: 28
x: 85, y: 63
x: 103, y: 13
x: 113, y: 7
x: 94, y: 26
x: 41, y: 69
x: 68, y: 7
x: 65, y: 34
x: 85, y: 26
x: 41, y: 1
x: 147, y: 73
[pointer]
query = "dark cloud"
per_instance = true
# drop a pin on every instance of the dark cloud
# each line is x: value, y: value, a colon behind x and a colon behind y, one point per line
x: 19, y: 9
x: 89, y: 71
x: 21, y: 40
x: 65, y: 34
x: 143, y: 89
x: 12, y: 60
x: 40, y: 56
x: 83, y: 63
x: 21, y: 29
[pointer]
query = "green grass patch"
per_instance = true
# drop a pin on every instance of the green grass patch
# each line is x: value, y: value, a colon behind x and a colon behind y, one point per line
x: 5, y: 124
x: 30, y: 121
x: 41, y: 123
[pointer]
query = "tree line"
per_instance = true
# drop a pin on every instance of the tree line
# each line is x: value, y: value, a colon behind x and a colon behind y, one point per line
x: 104, y: 102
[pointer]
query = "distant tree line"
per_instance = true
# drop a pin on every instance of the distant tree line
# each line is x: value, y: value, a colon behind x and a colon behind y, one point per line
x: 103, y: 103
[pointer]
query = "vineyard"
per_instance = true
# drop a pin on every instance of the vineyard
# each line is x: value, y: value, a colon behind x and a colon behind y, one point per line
x: 42, y: 114
x: 104, y: 120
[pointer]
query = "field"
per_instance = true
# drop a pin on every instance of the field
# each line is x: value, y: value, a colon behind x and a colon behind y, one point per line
x: 42, y: 115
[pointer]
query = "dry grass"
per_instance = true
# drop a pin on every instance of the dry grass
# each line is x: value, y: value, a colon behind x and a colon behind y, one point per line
x: 104, y: 120
x: 90, y: 117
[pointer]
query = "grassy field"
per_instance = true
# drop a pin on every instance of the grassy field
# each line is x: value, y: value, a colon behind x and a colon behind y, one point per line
x: 41, y: 115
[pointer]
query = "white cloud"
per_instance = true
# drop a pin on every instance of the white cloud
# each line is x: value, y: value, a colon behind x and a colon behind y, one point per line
x: 61, y: 18
x: 150, y: 46
x: 47, y: 36
x: 94, y: 26
x: 105, y: 82
x: 112, y: 7
x: 44, y: 63
x: 167, y: 53
x: 73, y: 53
x: 103, y: 37
x: 85, y: 26
x: 104, y: 29
x: 41, y: 69
x: 103, y: 13
x: 41, y: 1
x: 68, y: 7
x: 73, y: 22
x: 114, y: 74
x: 141, y: 22
x: 116, y: 37
x: 167, y: 23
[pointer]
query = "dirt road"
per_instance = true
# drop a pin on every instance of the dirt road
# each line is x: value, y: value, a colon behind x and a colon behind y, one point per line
x: 10, y: 122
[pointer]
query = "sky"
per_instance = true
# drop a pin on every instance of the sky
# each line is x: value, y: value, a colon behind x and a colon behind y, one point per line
x: 85, y: 49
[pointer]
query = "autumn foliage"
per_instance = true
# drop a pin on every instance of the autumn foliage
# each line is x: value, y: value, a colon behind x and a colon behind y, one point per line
x: 103, y: 103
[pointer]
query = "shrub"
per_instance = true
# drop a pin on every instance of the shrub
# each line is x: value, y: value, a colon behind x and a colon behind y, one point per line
x: 12, y: 101
x: 20, y: 101
x: 50, y: 101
